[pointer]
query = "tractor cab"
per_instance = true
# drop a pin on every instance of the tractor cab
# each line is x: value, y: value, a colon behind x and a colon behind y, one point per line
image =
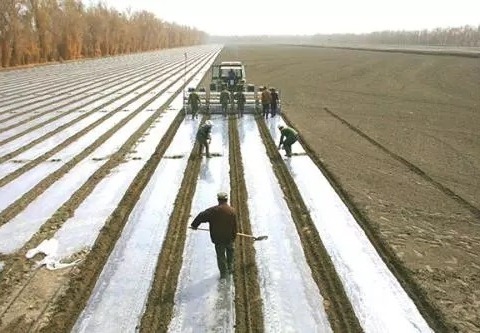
x: 228, y: 74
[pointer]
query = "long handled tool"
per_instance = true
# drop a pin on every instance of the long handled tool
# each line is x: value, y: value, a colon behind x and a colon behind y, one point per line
x: 259, y: 238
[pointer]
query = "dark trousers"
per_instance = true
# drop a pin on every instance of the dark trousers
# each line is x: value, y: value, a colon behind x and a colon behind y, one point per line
x: 265, y: 110
x: 224, y: 258
x: 240, y: 109
x: 287, y: 145
x: 224, y: 109
x: 194, y: 112
x: 204, y: 143
x: 273, y: 109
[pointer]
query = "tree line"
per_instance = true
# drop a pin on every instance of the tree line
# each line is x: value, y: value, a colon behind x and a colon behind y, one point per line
x: 467, y: 36
x: 37, y: 31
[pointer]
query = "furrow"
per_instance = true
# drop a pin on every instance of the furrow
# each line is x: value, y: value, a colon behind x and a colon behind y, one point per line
x: 248, y: 305
x: 337, y: 305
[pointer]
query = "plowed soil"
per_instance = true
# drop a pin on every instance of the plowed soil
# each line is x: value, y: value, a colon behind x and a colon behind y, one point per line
x: 398, y: 136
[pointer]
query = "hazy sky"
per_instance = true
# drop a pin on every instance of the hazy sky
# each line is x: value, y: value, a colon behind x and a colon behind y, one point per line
x: 248, y: 17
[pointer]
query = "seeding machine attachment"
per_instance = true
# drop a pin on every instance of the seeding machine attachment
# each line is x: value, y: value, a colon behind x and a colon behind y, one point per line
x: 228, y: 77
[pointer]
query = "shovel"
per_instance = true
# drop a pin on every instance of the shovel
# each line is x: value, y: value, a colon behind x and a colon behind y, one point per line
x: 259, y: 238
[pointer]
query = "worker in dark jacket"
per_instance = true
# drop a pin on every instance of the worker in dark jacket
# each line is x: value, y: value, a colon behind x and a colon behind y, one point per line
x: 194, y: 102
x: 287, y: 138
x: 204, y: 137
x: 241, y: 99
x: 232, y: 78
x: 266, y: 99
x: 223, y: 230
x: 225, y: 100
x: 273, y: 102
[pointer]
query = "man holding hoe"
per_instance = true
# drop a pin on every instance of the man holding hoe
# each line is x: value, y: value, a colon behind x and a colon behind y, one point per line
x: 223, y: 231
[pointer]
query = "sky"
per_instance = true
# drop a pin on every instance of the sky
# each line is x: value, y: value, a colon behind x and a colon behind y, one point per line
x: 307, y: 17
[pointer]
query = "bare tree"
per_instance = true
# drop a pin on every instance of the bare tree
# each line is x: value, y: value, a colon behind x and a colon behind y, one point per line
x: 51, y: 30
x: 7, y: 18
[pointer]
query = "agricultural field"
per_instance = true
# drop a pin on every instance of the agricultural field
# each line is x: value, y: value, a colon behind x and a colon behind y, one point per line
x: 398, y: 135
x: 373, y: 224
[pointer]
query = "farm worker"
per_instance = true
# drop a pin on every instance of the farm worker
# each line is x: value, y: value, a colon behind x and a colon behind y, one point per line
x: 241, y: 99
x: 223, y: 230
x: 194, y: 101
x: 266, y: 100
x: 287, y: 138
x: 204, y: 137
x: 232, y: 78
x: 274, y: 101
x: 224, y: 100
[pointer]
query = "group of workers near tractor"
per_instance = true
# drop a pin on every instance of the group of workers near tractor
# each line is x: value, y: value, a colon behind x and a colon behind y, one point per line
x: 222, y: 217
x: 268, y: 97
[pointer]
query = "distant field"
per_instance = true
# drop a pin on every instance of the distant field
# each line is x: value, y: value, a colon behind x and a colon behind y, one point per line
x: 473, y: 52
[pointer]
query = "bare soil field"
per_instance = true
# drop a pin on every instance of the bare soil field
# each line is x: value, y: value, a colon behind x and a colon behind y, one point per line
x: 398, y: 135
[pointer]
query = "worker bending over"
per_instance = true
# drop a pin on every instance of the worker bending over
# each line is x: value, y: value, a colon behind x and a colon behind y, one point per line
x: 204, y: 137
x: 287, y: 138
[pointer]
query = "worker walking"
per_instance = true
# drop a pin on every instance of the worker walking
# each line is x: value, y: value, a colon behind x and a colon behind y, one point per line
x: 224, y: 100
x: 204, y: 137
x: 266, y: 100
x: 194, y: 102
x: 287, y: 138
x: 241, y: 100
x: 223, y: 230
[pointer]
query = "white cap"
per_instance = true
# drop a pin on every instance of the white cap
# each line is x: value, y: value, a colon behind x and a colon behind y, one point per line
x: 208, y: 123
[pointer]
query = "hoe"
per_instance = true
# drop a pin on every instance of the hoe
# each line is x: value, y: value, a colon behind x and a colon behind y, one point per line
x: 259, y: 238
